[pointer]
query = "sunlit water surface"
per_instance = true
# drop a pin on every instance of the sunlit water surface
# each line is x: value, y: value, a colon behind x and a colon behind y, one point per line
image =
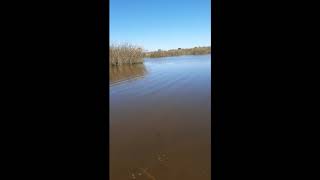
x: 160, y: 119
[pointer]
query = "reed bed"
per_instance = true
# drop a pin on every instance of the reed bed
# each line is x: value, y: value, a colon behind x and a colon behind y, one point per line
x: 125, y: 53
x: 179, y: 52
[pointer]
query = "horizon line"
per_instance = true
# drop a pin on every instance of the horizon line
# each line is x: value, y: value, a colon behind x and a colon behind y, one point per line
x: 153, y: 49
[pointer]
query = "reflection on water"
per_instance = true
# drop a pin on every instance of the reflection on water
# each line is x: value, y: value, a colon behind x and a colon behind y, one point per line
x: 160, y: 125
x: 125, y: 72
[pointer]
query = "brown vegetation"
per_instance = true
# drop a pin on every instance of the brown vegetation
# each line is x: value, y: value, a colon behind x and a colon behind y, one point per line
x: 179, y: 52
x: 130, y: 54
x: 125, y: 54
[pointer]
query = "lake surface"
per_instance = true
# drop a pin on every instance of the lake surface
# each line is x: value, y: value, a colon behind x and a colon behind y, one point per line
x: 160, y: 119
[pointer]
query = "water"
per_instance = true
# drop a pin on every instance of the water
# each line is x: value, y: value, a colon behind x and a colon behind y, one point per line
x: 160, y: 119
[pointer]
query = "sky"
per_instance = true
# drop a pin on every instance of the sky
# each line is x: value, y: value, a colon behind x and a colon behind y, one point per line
x: 161, y: 24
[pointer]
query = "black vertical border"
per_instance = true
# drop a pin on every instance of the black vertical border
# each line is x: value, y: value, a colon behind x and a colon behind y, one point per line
x: 103, y: 56
x: 217, y: 123
x: 103, y: 88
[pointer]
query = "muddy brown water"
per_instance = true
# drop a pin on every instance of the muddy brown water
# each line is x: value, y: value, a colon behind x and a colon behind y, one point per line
x: 160, y: 119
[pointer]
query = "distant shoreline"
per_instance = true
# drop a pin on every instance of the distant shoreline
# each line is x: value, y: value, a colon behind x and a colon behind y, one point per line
x: 178, y: 52
x: 129, y: 54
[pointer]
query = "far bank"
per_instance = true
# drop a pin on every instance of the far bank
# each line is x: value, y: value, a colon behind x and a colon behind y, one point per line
x: 132, y: 54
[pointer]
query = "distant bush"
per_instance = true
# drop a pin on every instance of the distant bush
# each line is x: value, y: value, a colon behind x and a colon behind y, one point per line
x: 125, y: 53
x: 179, y: 52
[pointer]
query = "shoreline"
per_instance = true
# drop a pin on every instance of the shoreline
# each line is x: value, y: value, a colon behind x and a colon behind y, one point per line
x: 176, y: 56
x: 121, y: 54
x: 178, y: 52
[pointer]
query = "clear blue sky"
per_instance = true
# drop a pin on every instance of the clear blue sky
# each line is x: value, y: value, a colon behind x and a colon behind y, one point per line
x: 161, y: 24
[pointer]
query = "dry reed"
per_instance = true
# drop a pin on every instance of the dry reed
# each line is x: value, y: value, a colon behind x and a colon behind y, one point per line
x: 125, y: 53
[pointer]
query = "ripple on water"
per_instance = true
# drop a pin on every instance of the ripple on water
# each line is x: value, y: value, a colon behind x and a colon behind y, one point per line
x: 169, y: 97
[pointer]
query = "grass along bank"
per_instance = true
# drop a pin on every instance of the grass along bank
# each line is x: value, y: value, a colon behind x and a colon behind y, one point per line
x: 178, y: 52
x: 125, y: 54
x: 130, y: 54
